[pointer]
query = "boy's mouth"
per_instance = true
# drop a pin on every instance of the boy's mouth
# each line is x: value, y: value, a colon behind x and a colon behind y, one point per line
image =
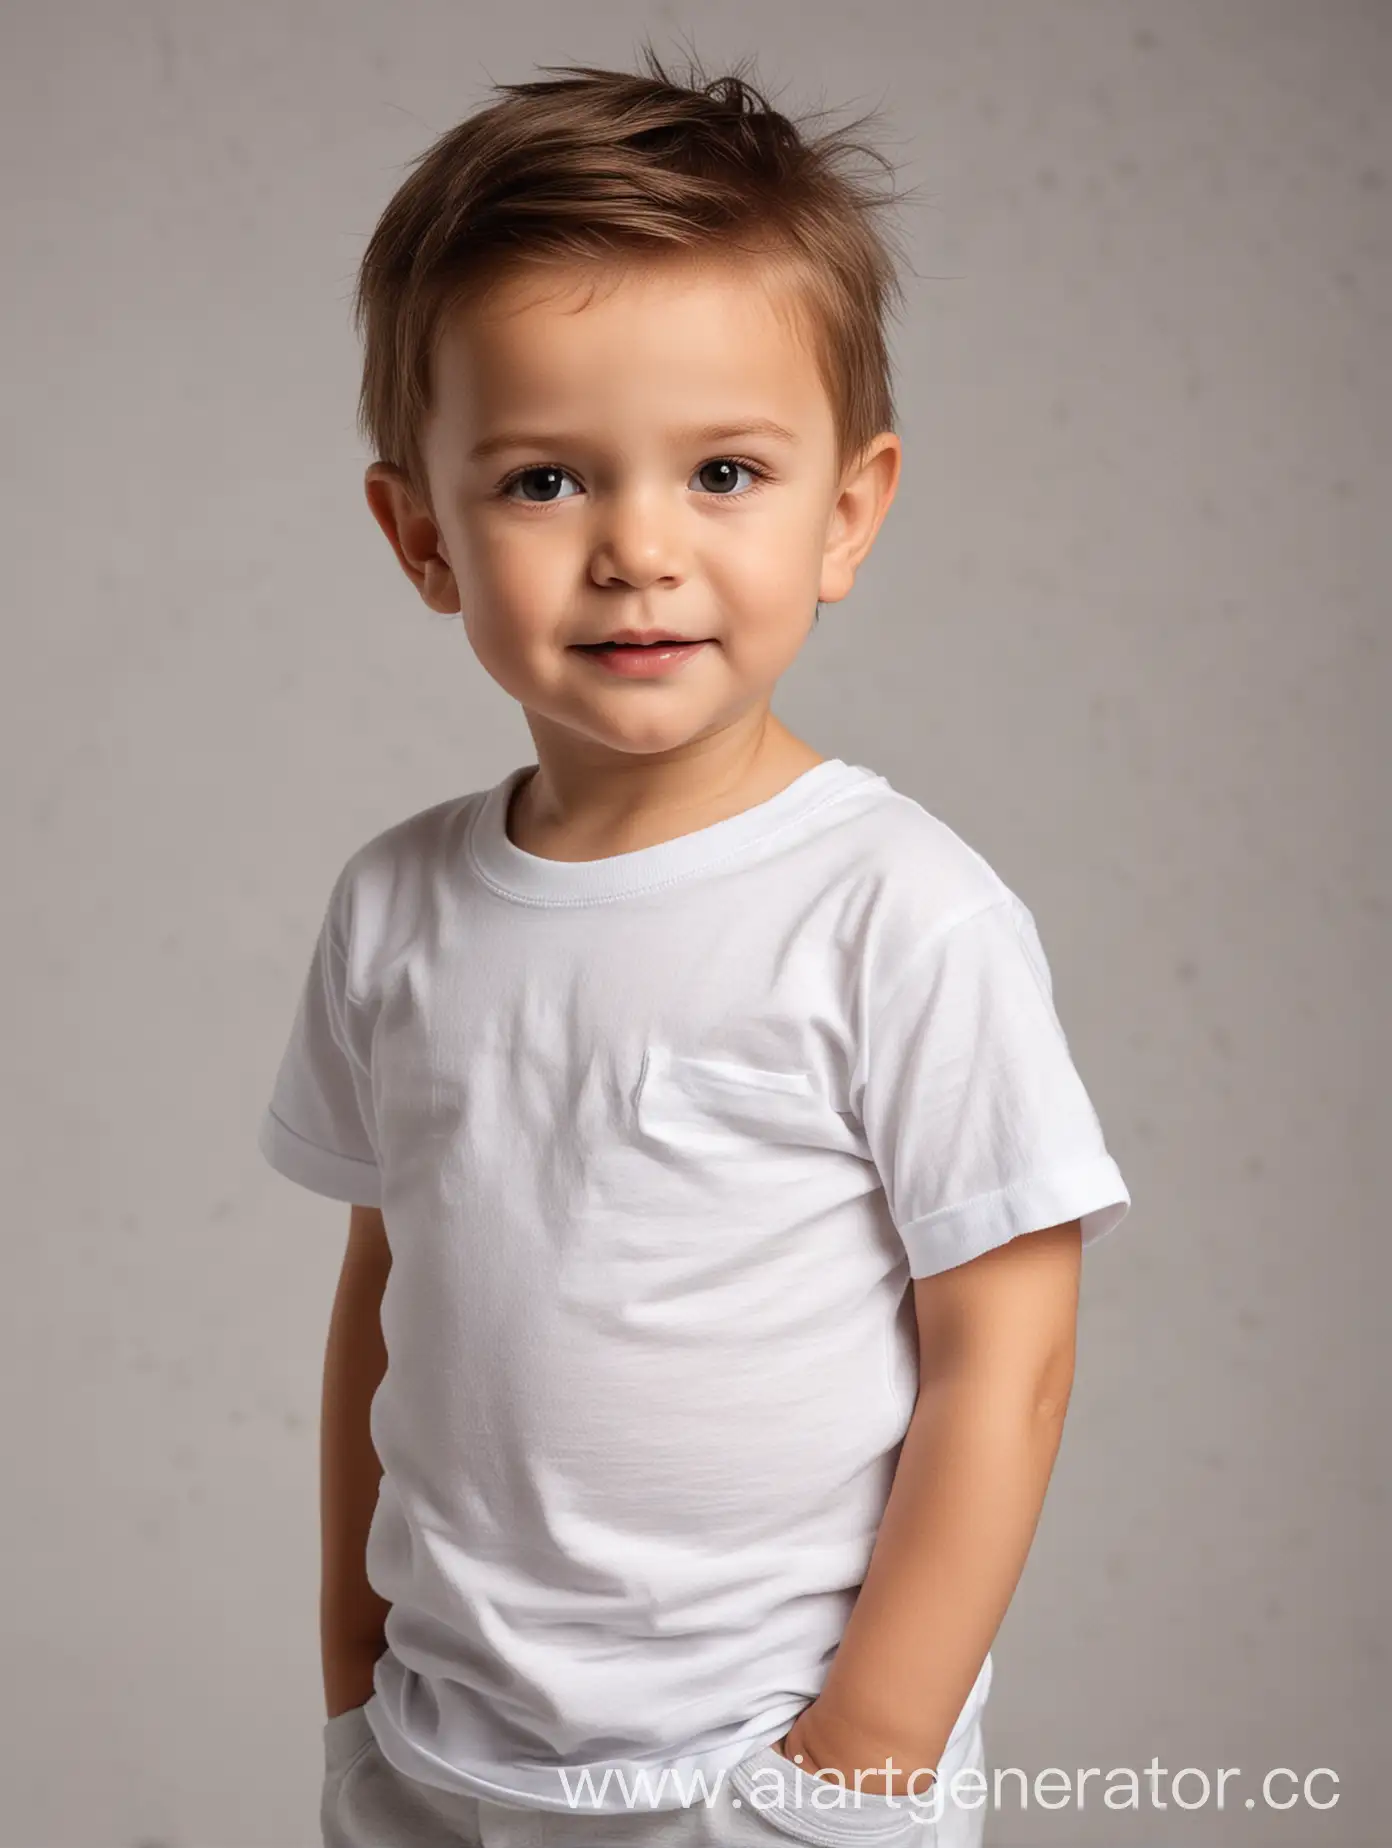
x: 640, y: 643
x: 636, y: 647
x: 642, y: 660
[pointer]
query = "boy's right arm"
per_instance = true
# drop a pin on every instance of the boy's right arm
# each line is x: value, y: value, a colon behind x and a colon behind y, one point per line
x: 352, y: 1617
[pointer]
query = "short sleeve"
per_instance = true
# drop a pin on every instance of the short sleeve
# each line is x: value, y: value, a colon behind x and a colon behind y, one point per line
x: 974, y: 1112
x: 317, y: 1128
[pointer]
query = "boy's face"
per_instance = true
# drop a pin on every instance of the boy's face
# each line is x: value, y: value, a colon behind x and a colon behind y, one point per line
x: 595, y: 464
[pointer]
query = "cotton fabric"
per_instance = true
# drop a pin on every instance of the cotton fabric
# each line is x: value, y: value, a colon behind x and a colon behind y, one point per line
x: 764, y: 1802
x: 660, y: 1141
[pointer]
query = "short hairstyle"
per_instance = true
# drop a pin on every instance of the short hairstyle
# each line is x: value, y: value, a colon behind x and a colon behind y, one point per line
x: 596, y: 164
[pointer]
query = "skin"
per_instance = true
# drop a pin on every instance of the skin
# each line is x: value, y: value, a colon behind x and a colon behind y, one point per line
x: 648, y: 526
x: 646, y: 529
x: 996, y: 1355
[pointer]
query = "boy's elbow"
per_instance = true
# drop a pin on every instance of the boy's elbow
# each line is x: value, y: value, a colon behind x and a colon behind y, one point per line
x: 1053, y: 1386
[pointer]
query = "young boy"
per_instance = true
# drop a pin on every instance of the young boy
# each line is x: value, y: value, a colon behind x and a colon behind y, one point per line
x: 692, y: 1385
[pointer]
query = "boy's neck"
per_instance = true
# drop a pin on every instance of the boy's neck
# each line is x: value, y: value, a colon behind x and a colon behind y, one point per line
x: 594, y: 818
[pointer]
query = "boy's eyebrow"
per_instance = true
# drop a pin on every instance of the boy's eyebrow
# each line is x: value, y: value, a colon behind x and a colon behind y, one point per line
x: 706, y: 433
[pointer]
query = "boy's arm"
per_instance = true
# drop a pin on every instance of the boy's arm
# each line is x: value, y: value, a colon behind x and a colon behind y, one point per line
x: 996, y: 1340
x: 352, y: 1617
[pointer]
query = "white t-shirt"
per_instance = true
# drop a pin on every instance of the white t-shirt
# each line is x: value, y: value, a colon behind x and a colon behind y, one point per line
x: 659, y: 1141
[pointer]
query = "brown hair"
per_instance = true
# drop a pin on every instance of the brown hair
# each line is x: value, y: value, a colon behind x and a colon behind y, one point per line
x: 599, y: 163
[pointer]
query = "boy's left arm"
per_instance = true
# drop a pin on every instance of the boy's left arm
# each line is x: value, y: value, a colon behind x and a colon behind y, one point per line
x: 996, y: 1349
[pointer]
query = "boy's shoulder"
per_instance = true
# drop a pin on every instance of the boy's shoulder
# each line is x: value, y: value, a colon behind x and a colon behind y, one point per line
x: 922, y: 875
x: 397, y: 862
x: 417, y: 838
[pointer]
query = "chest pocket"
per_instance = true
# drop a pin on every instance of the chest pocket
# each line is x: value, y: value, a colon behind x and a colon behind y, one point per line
x: 718, y: 1107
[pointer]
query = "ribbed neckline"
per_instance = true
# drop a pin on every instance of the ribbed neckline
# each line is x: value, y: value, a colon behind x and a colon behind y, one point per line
x: 509, y: 870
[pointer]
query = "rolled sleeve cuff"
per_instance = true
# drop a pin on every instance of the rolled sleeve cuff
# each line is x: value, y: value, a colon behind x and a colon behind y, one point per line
x: 1092, y: 1192
x: 338, y: 1177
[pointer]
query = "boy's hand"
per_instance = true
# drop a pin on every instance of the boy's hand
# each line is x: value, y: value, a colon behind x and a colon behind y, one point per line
x: 828, y: 1751
x: 348, y: 1678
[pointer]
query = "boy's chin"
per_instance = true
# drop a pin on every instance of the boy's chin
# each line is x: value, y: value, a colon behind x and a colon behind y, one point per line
x: 647, y: 733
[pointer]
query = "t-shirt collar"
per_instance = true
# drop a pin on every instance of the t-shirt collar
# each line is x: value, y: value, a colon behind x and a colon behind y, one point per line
x: 517, y: 874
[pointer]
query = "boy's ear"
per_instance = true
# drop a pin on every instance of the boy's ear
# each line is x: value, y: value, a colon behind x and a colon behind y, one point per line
x: 413, y: 536
x: 867, y: 488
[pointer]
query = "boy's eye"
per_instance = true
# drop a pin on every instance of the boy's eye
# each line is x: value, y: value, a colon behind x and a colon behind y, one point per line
x: 718, y: 477
x: 547, y: 478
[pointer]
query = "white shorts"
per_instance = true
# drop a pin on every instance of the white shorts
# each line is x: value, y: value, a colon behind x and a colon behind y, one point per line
x: 763, y: 1802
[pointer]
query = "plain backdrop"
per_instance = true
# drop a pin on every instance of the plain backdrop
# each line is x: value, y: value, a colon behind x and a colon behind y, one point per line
x: 1125, y: 631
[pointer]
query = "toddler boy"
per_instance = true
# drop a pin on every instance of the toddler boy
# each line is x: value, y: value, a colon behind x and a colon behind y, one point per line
x: 692, y: 1385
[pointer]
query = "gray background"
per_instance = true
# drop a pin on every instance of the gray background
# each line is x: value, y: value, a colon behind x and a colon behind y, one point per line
x: 1124, y: 630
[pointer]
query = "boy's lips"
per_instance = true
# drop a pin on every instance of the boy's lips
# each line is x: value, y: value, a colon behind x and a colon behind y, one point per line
x: 639, y: 660
x: 640, y: 638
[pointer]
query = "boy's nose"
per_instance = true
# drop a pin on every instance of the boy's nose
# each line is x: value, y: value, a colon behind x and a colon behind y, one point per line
x: 638, y: 544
